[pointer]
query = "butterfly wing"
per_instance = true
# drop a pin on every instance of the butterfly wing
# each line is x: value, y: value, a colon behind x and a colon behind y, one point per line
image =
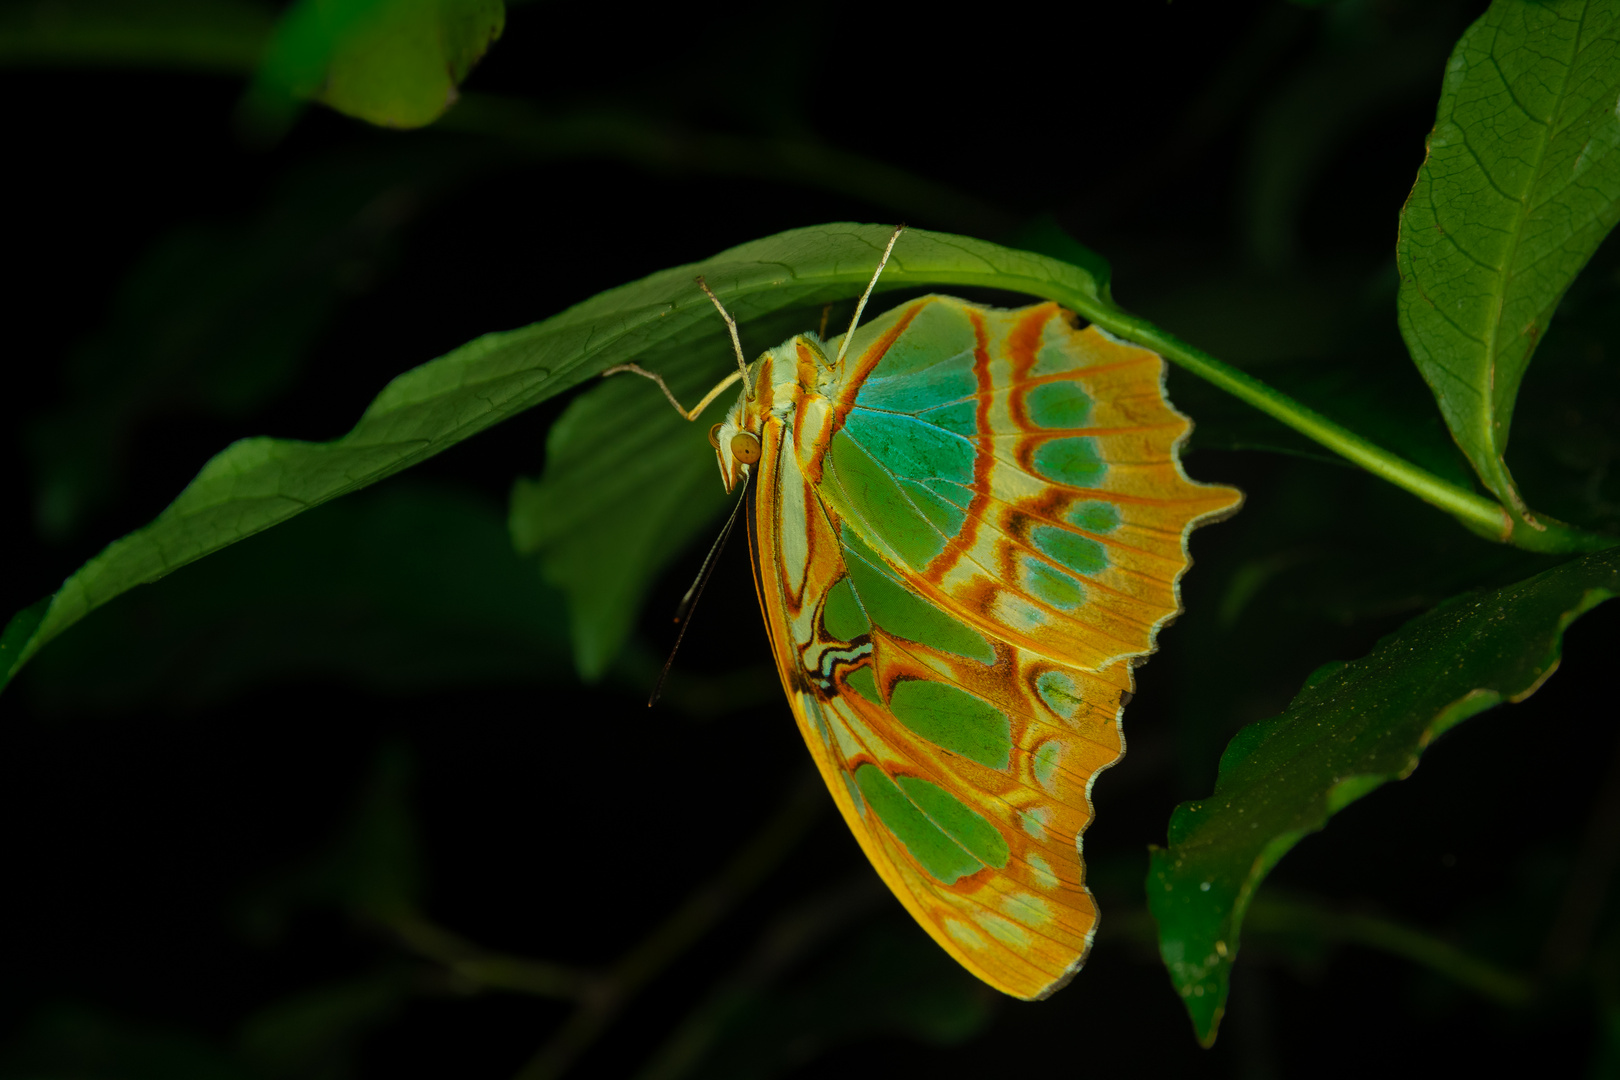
x: 962, y: 539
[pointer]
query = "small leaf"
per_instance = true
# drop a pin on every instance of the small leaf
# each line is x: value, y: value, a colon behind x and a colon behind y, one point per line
x: 1353, y: 728
x: 1521, y: 184
x: 395, y: 63
x: 257, y: 483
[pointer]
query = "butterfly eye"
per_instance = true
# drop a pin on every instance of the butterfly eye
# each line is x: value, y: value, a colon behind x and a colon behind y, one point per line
x: 714, y: 436
x: 745, y: 447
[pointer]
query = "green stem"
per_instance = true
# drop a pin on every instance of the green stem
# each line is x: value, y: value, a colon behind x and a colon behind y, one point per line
x: 1284, y: 914
x: 1478, y: 513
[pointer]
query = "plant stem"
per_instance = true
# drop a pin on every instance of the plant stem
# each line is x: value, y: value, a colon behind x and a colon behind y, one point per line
x: 1280, y: 913
x: 1480, y: 514
x: 765, y: 851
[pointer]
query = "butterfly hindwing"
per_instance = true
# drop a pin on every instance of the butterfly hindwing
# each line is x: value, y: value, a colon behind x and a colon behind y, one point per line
x: 962, y: 538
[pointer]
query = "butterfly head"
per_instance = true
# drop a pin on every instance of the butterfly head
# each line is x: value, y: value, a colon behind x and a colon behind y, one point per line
x: 737, y: 445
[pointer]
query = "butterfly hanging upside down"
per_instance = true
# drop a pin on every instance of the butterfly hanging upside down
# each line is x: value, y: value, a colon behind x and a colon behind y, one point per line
x: 967, y: 525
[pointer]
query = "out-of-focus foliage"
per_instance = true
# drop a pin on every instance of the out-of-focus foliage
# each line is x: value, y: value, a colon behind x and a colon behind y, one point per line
x: 396, y: 63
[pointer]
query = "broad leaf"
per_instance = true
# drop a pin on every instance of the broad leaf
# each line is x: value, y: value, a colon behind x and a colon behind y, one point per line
x: 407, y: 587
x: 628, y: 484
x: 256, y: 483
x: 1352, y: 728
x: 396, y: 63
x: 1521, y: 184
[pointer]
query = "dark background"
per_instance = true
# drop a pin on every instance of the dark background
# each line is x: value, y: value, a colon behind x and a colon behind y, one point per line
x: 176, y: 875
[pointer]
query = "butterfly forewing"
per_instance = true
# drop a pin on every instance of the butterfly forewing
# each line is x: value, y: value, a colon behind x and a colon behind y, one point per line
x: 962, y: 538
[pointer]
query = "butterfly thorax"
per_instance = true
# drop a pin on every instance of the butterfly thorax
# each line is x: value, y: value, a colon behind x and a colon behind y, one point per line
x: 785, y: 385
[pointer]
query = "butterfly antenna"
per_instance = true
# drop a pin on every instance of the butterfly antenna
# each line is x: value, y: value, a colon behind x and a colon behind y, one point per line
x: 689, y: 601
x: 843, y: 346
x: 731, y: 324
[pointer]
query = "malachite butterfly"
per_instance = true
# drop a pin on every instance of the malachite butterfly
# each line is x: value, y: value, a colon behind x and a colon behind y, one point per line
x: 967, y: 524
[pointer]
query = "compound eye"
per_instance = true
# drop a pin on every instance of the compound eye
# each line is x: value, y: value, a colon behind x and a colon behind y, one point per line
x: 745, y: 447
x: 714, y: 436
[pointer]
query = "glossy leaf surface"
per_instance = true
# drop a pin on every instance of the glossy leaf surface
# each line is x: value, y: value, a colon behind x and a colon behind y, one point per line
x: 1521, y: 184
x: 260, y: 482
x: 1351, y: 729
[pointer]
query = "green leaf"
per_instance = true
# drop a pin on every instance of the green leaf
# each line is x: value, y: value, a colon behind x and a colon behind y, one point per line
x: 405, y: 588
x: 395, y: 63
x: 216, y: 320
x: 628, y: 484
x: 1521, y: 184
x: 260, y: 482
x: 1352, y: 728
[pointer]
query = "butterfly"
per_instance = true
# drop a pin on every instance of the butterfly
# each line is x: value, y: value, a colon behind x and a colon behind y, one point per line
x: 967, y: 524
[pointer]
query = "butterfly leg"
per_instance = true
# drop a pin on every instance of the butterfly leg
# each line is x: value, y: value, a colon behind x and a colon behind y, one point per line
x: 690, y: 414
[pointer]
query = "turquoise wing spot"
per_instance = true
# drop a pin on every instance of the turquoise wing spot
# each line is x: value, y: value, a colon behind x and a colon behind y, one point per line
x: 1058, y: 405
x: 1073, y: 461
x: 911, y: 448
x: 873, y: 494
x: 941, y: 513
x: 1047, y: 756
x: 954, y: 720
x: 938, y: 854
x: 864, y: 683
x: 812, y: 709
x: 1079, y: 553
x: 938, y: 330
x: 1035, y: 821
x: 841, y: 613
x: 904, y: 614
x: 1093, y: 516
x: 854, y: 792
x: 939, y: 384
x: 1060, y: 693
x: 1051, y: 586
x: 958, y: 495
x: 1053, y: 359
x: 961, y: 418
x: 1041, y: 871
x: 957, y: 820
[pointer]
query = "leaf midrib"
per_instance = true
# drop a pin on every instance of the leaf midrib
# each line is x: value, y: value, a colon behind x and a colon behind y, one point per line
x: 1493, y: 332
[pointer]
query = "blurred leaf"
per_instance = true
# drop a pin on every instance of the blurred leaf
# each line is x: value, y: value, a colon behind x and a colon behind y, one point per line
x: 408, y: 588
x: 257, y: 483
x: 1314, y: 116
x: 628, y: 484
x: 314, y: 1035
x: 1044, y: 235
x: 1521, y: 184
x: 1352, y: 728
x: 371, y: 869
x: 395, y: 63
x: 69, y: 1042
x: 205, y: 35
x: 217, y: 320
